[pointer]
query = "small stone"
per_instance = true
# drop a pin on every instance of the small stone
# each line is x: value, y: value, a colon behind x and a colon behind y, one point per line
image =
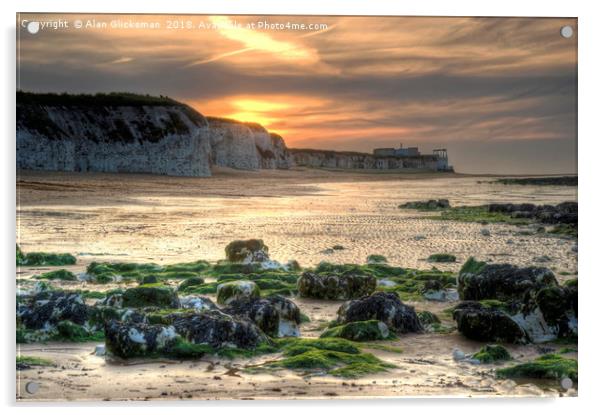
x: 100, y: 350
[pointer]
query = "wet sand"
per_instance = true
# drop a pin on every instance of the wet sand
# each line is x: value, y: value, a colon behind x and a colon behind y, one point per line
x: 299, y: 214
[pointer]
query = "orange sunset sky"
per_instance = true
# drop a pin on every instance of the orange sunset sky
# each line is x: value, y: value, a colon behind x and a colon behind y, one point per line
x: 499, y: 93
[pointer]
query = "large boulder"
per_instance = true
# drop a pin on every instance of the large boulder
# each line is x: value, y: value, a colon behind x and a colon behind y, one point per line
x: 46, y: 309
x: 549, y: 313
x: 479, y: 281
x: 138, y: 339
x: 247, y: 251
x: 381, y: 306
x: 237, y: 290
x: 150, y: 296
x: 218, y: 329
x: 277, y: 316
x: 344, y: 286
x: 478, y: 322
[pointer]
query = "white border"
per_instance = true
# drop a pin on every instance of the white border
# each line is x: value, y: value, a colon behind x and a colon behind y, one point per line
x: 590, y: 158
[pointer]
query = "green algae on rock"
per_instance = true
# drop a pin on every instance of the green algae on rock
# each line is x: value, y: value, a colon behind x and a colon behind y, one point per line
x: 150, y: 295
x: 59, y: 274
x: 549, y: 366
x: 104, y: 272
x: 43, y: 258
x: 433, y: 204
x: 25, y: 362
x: 492, y: 353
x: 427, y: 318
x: 237, y: 290
x: 68, y: 331
x: 334, y: 356
x: 344, y: 286
x: 191, y: 282
x: 360, y: 331
x: 442, y: 258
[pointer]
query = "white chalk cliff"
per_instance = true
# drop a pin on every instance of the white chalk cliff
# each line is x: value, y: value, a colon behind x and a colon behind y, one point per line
x: 136, y: 134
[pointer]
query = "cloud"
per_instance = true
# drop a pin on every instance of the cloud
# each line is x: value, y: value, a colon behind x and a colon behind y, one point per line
x: 356, y: 84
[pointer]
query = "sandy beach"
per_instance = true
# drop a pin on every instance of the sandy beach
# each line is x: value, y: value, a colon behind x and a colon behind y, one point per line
x: 300, y: 214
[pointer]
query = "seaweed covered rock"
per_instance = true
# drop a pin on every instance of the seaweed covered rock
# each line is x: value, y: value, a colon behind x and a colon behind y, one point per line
x: 360, y: 331
x: 237, y: 290
x: 59, y: 274
x: 218, y: 330
x: 131, y: 340
x: 344, y: 286
x: 381, y: 306
x: 564, y: 213
x: 428, y: 318
x: 43, y: 258
x: 277, y: 316
x: 47, y: 308
x: 432, y: 204
x: 441, y: 258
x: 504, y: 282
x: 191, y: 282
x: 247, y: 251
x: 492, y: 353
x: 549, y: 313
x: 478, y: 322
x: 150, y: 296
x: 549, y: 366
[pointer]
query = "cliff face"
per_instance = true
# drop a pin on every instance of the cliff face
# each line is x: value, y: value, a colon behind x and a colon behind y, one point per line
x: 143, y: 134
x: 246, y: 146
x: 136, y: 134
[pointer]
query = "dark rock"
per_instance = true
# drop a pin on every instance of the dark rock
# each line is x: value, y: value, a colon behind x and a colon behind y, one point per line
x: 277, y: 316
x: 385, y: 307
x: 481, y: 323
x: 550, y: 313
x: 50, y: 307
x: 149, y: 279
x: 251, y: 250
x: 218, y: 329
x: 563, y: 213
x: 503, y: 282
x: 138, y: 339
x: 344, y: 286
x: 432, y: 204
x: 145, y: 296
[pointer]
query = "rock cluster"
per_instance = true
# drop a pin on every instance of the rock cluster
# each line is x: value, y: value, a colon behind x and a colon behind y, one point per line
x: 503, y: 302
x: 431, y: 204
x: 563, y: 213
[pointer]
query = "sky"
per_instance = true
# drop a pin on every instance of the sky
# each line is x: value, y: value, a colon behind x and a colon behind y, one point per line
x: 499, y: 93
